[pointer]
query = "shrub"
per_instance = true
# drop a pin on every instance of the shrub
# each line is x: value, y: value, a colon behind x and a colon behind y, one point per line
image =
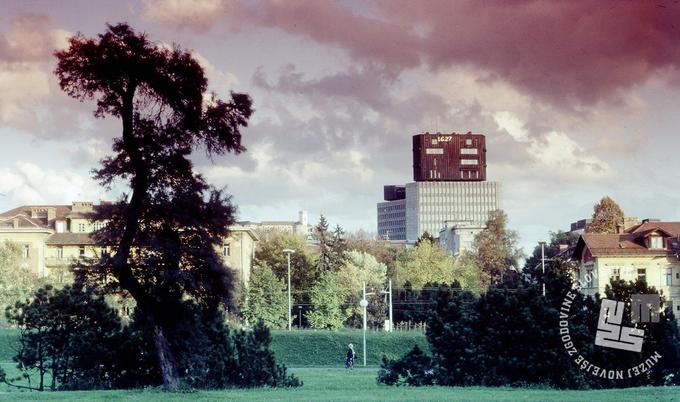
x: 415, y: 369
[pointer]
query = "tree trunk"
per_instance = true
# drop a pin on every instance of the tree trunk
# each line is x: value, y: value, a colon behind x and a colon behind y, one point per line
x: 166, y: 359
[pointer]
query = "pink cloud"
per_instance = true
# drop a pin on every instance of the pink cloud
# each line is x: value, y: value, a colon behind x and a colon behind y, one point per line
x: 574, y: 53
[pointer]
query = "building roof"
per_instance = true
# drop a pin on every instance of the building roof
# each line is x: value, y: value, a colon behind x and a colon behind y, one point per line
x: 69, y: 239
x: 251, y: 232
x: 23, y: 222
x: 673, y: 228
x: 61, y: 212
x: 631, y: 242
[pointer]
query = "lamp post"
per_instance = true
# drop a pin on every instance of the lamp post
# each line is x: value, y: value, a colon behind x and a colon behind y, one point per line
x: 288, y: 252
x: 364, y: 303
x: 542, y: 243
x: 300, y: 317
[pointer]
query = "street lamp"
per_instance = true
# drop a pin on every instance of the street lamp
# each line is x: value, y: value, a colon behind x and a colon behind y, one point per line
x: 364, y: 303
x: 288, y: 252
x: 542, y: 243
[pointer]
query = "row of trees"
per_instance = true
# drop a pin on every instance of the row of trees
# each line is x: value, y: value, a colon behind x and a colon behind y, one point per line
x: 328, y: 279
x: 510, y: 335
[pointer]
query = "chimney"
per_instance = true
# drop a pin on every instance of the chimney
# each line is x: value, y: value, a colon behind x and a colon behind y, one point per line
x: 303, y: 217
x: 15, y: 223
x: 82, y: 206
x: 51, y: 213
x: 619, y: 228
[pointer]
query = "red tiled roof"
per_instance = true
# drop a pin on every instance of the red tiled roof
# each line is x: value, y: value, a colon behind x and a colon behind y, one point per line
x: 673, y: 228
x: 632, y: 242
x: 62, y: 212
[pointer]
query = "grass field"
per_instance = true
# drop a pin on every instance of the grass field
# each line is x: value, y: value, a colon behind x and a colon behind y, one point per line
x: 329, y: 348
x: 302, y: 350
x: 358, y: 385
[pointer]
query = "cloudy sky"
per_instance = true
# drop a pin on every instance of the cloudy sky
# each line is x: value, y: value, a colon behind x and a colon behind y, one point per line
x: 578, y: 99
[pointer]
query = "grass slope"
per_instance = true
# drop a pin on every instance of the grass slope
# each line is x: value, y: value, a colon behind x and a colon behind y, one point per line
x: 329, y: 348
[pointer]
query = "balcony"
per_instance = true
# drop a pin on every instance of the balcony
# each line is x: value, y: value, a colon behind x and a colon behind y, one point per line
x: 69, y: 261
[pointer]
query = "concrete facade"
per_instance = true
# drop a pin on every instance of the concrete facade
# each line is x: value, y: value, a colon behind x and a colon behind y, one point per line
x: 456, y: 237
x: 430, y: 205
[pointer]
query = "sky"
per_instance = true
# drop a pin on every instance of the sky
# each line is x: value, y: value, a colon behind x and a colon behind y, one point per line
x: 578, y: 100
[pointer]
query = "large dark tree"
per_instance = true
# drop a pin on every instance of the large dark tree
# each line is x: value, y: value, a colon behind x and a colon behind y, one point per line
x: 163, y: 233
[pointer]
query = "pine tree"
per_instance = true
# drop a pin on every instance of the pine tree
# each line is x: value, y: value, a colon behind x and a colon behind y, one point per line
x: 324, y: 260
x: 165, y: 235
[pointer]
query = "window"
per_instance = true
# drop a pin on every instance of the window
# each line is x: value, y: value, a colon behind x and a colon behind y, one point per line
x: 656, y: 242
x: 24, y: 251
x: 669, y: 276
x: 434, y: 151
x: 226, y: 250
x: 435, y: 141
x: 642, y: 274
x: 99, y: 225
x: 469, y: 162
x: 81, y: 251
x: 60, y: 226
x: 616, y: 273
x: 81, y: 227
x: 468, y: 142
x: 468, y: 151
x: 60, y: 252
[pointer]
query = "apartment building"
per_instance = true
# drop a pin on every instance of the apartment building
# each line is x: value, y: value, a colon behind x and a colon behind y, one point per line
x: 649, y: 250
x: 54, y: 237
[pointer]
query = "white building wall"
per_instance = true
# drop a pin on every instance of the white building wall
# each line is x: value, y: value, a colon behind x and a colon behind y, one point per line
x: 429, y: 205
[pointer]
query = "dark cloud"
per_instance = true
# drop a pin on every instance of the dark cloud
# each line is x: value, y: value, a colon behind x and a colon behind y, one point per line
x: 570, y: 53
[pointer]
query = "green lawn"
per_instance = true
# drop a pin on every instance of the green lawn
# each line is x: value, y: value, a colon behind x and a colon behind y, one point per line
x: 358, y: 385
x: 329, y: 348
x: 303, y: 349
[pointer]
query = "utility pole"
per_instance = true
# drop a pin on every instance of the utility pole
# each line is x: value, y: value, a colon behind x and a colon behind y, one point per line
x: 542, y: 243
x: 288, y: 252
x: 389, y: 292
x: 391, y: 322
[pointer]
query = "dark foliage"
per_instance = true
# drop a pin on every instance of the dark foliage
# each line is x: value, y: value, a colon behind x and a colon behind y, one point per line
x: 415, y: 369
x: 173, y: 220
x: 74, y: 339
x: 426, y: 236
x: 510, y: 335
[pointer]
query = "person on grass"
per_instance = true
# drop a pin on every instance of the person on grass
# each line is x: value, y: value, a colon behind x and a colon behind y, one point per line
x: 349, y: 363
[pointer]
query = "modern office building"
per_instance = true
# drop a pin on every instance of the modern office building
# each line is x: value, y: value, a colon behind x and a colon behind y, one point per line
x: 450, y: 192
x: 449, y: 157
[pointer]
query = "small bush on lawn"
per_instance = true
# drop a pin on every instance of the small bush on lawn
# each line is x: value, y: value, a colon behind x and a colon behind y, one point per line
x: 415, y: 368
